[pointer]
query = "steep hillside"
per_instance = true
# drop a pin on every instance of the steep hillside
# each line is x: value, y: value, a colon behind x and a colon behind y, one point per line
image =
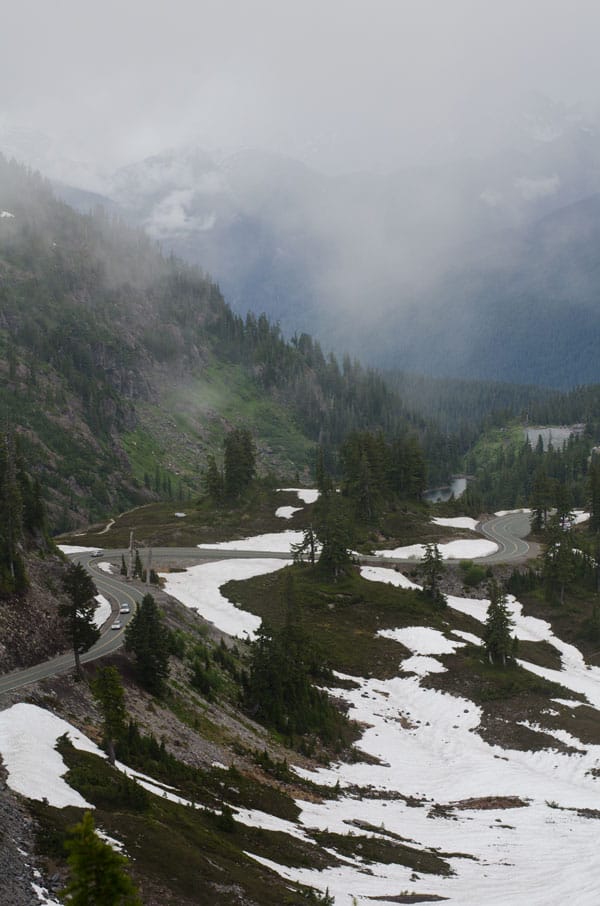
x: 122, y: 368
x: 481, y: 268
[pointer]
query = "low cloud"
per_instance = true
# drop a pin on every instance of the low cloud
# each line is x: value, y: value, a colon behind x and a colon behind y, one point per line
x: 540, y: 187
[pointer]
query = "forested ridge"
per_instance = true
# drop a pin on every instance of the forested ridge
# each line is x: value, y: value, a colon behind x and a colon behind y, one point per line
x: 116, y: 355
x: 96, y: 325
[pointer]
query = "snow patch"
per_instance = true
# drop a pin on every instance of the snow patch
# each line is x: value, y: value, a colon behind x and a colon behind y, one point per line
x: 286, y: 512
x: 512, y: 512
x: 5, y: 215
x: 306, y: 495
x: 467, y: 636
x: 453, y: 550
x: 74, y: 549
x: 105, y: 567
x: 180, y: 515
x: 461, y: 522
x: 388, y: 576
x: 274, y: 542
x: 28, y: 736
x: 114, y: 844
x: 422, y: 665
x: 199, y: 589
x: 103, y: 611
x: 43, y: 896
x: 422, y: 640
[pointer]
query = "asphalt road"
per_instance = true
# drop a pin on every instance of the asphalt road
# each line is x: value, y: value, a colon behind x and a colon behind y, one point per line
x: 506, y: 531
x: 117, y: 593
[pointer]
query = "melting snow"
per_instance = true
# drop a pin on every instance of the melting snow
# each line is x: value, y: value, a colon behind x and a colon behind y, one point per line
x: 44, y: 898
x: 539, y: 854
x: 199, y: 588
x: 389, y: 576
x: 464, y: 522
x: 74, y: 549
x: 422, y: 640
x: 453, y: 550
x: 286, y: 512
x: 306, y: 495
x: 28, y: 736
x: 275, y: 542
x: 511, y: 512
x: 105, y: 567
x: 6, y: 214
x: 103, y: 611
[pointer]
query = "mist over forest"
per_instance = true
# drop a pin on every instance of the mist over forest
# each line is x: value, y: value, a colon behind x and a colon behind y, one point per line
x: 387, y: 183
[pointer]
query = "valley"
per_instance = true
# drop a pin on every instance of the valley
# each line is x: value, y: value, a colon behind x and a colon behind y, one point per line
x: 326, y: 687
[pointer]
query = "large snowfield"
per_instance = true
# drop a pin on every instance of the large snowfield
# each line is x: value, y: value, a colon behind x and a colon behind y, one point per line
x: 541, y: 852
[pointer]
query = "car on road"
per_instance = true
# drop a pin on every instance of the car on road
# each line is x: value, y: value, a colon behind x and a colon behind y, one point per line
x: 125, y: 608
x: 116, y: 624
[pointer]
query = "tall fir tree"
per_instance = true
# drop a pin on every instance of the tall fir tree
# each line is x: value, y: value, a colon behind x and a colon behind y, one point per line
x: 149, y: 639
x: 498, y: 642
x: 108, y: 691
x: 432, y: 567
x: 239, y: 462
x: 79, y: 610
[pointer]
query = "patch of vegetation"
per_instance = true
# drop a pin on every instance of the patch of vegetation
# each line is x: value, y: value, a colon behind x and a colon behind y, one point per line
x: 385, y: 851
x: 204, y: 522
x: 470, y: 674
x: 192, y: 852
x: 473, y: 573
x: 342, y: 616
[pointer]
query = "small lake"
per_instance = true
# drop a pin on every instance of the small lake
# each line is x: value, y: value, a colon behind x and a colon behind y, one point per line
x: 557, y: 435
x: 456, y: 489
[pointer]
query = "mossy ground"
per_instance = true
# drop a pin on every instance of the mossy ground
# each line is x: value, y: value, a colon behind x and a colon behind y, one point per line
x: 193, y: 854
x: 204, y: 521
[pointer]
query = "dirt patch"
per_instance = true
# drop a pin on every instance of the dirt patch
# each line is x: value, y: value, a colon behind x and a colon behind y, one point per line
x: 485, y: 803
x: 411, y: 898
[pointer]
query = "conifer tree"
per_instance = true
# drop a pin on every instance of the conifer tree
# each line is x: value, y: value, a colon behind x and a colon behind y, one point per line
x: 213, y: 480
x: 138, y: 568
x: 107, y: 689
x: 149, y: 639
x: 334, y: 530
x: 541, y: 498
x: 433, y: 569
x: 97, y: 874
x: 558, y: 559
x: 239, y: 462
x: 79, y: 611
x: 498, y: 643
x: 305, y: 548
x: 594, y: 494
x: 13, y: 577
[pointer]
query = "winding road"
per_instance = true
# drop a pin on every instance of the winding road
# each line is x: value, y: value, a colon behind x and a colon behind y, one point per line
x: 508, y: 532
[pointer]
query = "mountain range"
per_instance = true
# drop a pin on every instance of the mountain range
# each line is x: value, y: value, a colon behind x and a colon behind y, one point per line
x: 480, y: 268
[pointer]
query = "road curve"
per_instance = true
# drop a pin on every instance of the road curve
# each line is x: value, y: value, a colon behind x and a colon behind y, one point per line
x: 118, y: 593
x: 506, y: 531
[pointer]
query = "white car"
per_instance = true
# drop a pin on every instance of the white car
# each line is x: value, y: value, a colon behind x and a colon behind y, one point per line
x: 125, y: 608
x: 116, y: 624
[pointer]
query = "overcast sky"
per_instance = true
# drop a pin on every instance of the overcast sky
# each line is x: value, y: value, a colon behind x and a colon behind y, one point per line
x: 340, y: 84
